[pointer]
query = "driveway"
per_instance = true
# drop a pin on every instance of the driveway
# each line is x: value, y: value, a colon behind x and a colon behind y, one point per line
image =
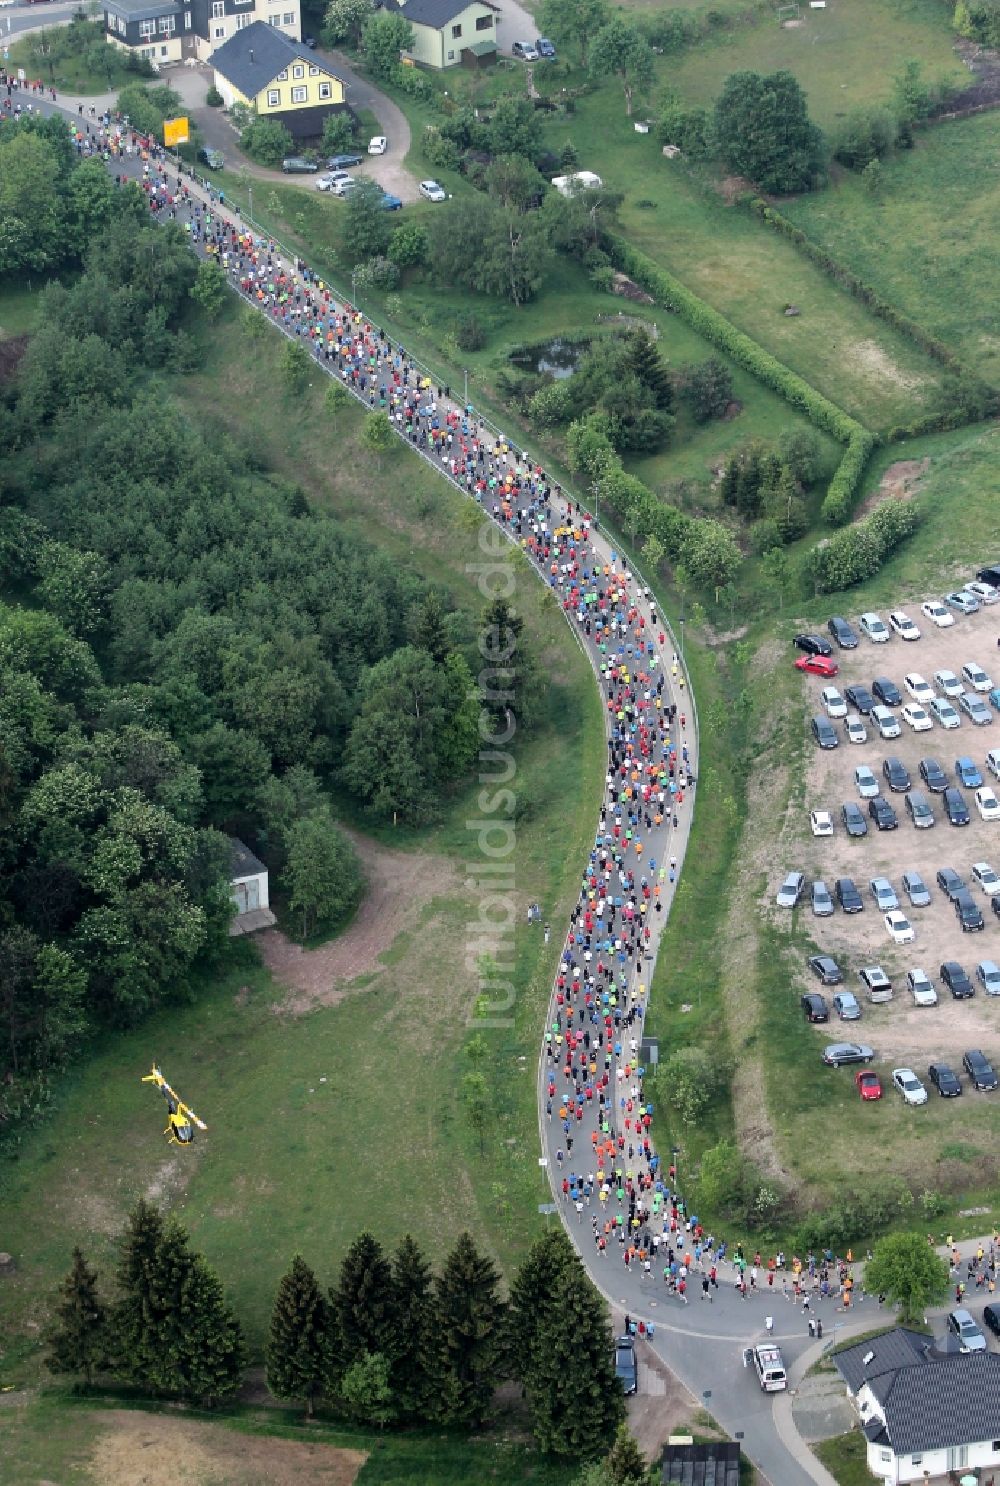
x: 515, y: 24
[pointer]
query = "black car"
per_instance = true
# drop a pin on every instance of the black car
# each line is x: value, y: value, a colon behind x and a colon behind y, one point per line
x: 847, y: 895
x: 957, y: 981
x: 310, y: 42
x: 933, y: 775
x: 825, y: 733
x: 944, y: 1080
x: 826, y: 969
x: 949, y: 882
x: 979, y: 1068
x: 919, y: 810
x: 625, y: 1365
x: 956, y: 809
x: 813, y: 644
x: 854, y: 822
x: 896, y: 773
x: 882, y: 814
x: 995, y: 904
x: 860, y: 697
x: 815, y: 1007
x: 887, y: 691
x: 299, y: 165
x: 990, y: 575
x: 991, y: 1313
x: 968, y: 912
x: 342, y: 162
x: 844, y: 633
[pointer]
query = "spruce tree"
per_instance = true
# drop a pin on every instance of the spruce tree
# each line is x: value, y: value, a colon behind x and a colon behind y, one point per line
x: 429, y: 632
x: 575, y: 1399
x: 531, y: 1299
x: 362, y: 1302
x: 133, y: 1343
x: 298, y: 1348
x: 470, y: 1317
x: 624, y: 1462
x: 648, y: 366
x: 730, y: 480
x: 199, y: 1341
x: 411, y: 1348
x: 78, y: 1340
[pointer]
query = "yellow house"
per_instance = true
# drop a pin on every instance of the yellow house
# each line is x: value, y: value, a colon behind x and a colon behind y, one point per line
x: 447, y: 32
x: 279, y: 78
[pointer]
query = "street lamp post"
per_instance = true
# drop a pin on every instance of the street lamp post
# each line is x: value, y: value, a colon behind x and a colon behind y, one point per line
x: 354, y: 288
x: 595, y: 491
x: 250, y: 189
x: 674, y: 1153
x: 682, y: 642
x: 466, y: 375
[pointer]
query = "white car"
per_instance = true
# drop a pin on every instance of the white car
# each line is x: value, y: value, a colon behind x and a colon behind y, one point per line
x: 993, y: 762
x: 987, y: 803
x: 432, y: 191
x: 344, y: 188
x: 866, y: 782
x: 937, y: 614
x: 899, y: 927
x: 906, y: 1082
x: 903, y: 625
x: 916, y: 717
x: 945, y: 713
x: 855, y: 730
x: 378, y: 145
x: 886, y: 721
x: 872, y: 625
x: 833, y: 702
x: 983, y: 593
x: 884, y: 894
x: 821, y: 822
x: 948, y: 682
x: 988, y: 975
x: 988, y: 880
x: 330, y: 179
x: 921, y: 988
x: 919, y: 689
x: 976, y: 677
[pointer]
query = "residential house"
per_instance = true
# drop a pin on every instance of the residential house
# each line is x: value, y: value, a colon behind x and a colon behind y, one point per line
x: 924, y: 1411
x: 449, y: 32
x: 277, y: 78
x: 248, y: 887
x: 175, y: 30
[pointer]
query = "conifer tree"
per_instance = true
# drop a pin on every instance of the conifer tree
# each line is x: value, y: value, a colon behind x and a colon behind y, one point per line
x: 78, y: 1341
x: 648, y: 366
x: 134, y: 1353
x: 199, y: 1342
x: 470, y: 1318
x: 298, y: 1348
x: 531, y: 1299
x: 575, y: 1399
x: 730, y: 480
x: 429, y: 632
x: 362, y: 1302
x: 411, y: 1347
x: 624, y: 1462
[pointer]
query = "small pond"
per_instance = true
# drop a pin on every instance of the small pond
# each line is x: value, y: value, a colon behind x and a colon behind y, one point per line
x: 557, y: 357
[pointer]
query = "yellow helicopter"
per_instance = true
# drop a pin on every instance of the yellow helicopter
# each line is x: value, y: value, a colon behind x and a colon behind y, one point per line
x: 181, y: 1118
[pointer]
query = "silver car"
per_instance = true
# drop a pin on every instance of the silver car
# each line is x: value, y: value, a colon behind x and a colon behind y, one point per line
x: 791, y: 890
x: 822, y: 903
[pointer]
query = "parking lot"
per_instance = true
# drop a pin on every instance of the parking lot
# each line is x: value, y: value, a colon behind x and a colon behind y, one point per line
x: 901, y: 1032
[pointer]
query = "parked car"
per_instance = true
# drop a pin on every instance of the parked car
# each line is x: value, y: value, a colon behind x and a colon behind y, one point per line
x: 433, y: 191
x: 626, y: 1368
x: 984, y: 875
x: 898, y: 927
x: 378, y: 145
x: 896, y: 774
x: 344, y: 187
x: 821, y: 822
x: 948, y: 683
x: 994, y: 698
x: 990, y: 574
x: 791, y: 890
x: 887, y: 722
x: 873, y: 626
x: 526, y: 50
x: 991, y: 1318
x: 976, y: 677
x: 906, y: 1082
x: 915, y: 716
x: 933, y: 775
x: 921, y: 987
x: 992, y: 764
x: 919, y: 810
x: 877, y: 985
x: 310, y: 42
x: 299, y: 165
x: 968, y: 1333
x: 822, y: 903
x: 949, y: 882
x: 845, y: 636
x: 937, y: 614
x: 955, y: 807
x: 987, y: 803
x: 854, y: 822
x: 817, y: 665
x: 868, y: 1083
x: 919, y: 689
x: 968, y: 912
x: 967, y: 772
x: 836, y: 1054
x: 847, y: 895
x: 962, y: 601
x: 975, y: 709
x: 343, y: 162
x: 855, y: 730
x: 979, y: 1068
x: 390, y: 203
x: 815, y: 1007
x: 813, y: 644
x: 916, y: 889
x: 988, y: 975
x: 861, y: 698
x: 903, y: 625
x: 882, y: 814
x: 823, y: 732
x: 545, y: 49
x: 865, y: 781
x: 826, y: 970
x: 984, y: 592
x: 846, y: 1005
x: 945, y: 1080
x: 958, y: 983
x: 331, y: 179
x: 884, y: 894
x: 833, y: 702
x: 214, y: 159
x: 942, y: 709
x: 887, y: 691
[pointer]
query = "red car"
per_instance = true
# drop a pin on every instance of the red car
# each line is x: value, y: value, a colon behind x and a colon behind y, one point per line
x: 869, y: 1084
x: 817, y: 665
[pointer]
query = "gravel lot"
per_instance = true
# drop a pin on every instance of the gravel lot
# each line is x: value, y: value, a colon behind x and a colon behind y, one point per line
x: 901, y: 1032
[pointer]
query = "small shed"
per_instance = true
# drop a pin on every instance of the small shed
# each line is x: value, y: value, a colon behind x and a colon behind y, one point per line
x: 248, y: 887
x: 716, y: 1463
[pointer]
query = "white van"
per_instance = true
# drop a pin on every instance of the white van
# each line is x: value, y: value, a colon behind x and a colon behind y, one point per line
x: 767, y: 1362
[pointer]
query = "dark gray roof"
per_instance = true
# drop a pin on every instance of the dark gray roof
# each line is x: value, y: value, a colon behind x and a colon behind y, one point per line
x: 141, y: 10
x: 242, y: 862
x: 436, y: 13
x: 254, y: 56
x: 954, y: 1401
x: 897, y: 1348
x: 713, y: 1464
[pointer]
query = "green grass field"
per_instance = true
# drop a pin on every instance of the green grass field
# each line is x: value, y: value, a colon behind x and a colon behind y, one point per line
x: 72, y: 60
x: 928, y: 242
x: 846, y: 1458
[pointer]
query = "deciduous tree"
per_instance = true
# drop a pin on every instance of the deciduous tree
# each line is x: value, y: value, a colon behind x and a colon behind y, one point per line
x: 572, y: 22
x: 322, y: 875
x: 908, y: 1272
x: 621, y: 50
x: 763, y: 131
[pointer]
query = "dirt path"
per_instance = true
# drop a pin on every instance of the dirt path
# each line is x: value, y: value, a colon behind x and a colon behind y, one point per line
x: 400, y: 885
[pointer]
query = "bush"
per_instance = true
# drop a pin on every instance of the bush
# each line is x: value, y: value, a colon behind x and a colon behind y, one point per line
x: 707, y: 389
x: 469, y: 333
x: 378, y: 273
x: 266, y: 141
x: 550, y: 406
x: 765, y: 536
x: 443, y: 153
x: 214, y: 98
x: 855, y: 555
x: 408, y: 245
x: 338, y: 133
x: 603, y: 278
x: 413, y: 83
x: 865, y: 135
x: 689, y: 1081
x: 800, y: 449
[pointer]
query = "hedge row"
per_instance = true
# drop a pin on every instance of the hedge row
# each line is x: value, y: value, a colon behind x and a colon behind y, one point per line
x: 708, y: 322
x: 855, y: 555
